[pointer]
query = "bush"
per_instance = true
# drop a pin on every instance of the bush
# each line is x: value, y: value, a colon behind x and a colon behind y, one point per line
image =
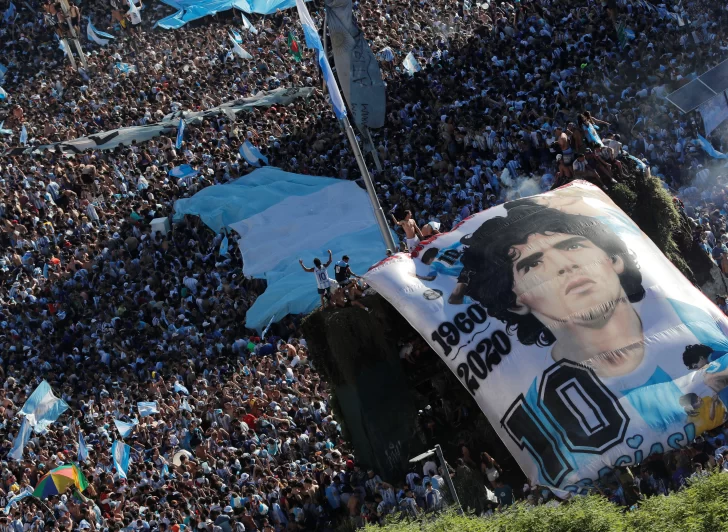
x: 701, y: 507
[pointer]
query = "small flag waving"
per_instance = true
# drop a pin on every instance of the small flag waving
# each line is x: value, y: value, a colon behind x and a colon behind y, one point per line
x: 10, y: 13
x: 27, y: 492
x: 180, y: 134
x: 410, y: 64
x: 82, y: 449
x: 3, y: 94
x: 294, y: 48
x: 224, y: 246
x: 180, y: 389
x: 4, y: 131
x: 251, y: 154
x: 16, y: 453
x: 313, y: 41
x: 147, y: 408
x: 242, y: 54
x: 44, y: 407
x: 247, y: 25
x: 24, y: 136
x: 121, y: 456
x: 236, y: 36
x: 124, y: 428
x: 99, y: 37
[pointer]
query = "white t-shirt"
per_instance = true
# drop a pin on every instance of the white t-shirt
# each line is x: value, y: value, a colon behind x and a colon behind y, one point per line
x: 322, y: 277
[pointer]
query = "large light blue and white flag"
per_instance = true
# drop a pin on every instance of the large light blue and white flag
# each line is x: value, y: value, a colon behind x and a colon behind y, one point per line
x: 238, y: 50
x: 15, y: 499
x: 314, y: 41
x: 43, y: 406
x: 10, y: 13
x: 16, y: 453
x: 97, y: 36
x: 3, y: 94
x: 251, y: 154
x: 147, y: 408
x: 410, y: 64
x: 283, y: 217
x: 709, y: 149
x: 180, y: 133
x: 124, y: 428
x: 179, y: 388
x: 24, y: 136
x: 247, y: 25
x: 82, y: 448
x: 121, y: 456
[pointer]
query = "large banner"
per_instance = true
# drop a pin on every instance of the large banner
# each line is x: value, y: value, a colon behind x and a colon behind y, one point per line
x: 584, y: 346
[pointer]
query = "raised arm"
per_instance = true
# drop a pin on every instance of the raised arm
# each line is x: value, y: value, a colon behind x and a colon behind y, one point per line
x: 331, y: 258
x: 300, y: 261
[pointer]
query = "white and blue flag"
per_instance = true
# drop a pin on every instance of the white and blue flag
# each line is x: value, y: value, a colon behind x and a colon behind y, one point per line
x: 179, y: 388
x: 3, y: 94
x: 709, y: 149
x: 182, y: 171
x: 238, y: 50
x: 180, y: 133
x: 251, y: 154
x: 3, y: 70
x: 238, y: 38
x: 247, y: 25
x: 283, y: 217
x: 124, y: 428
x: 165, y: 471
x: 21, y: 439
x: 43, y: 406
x: 24, y: 136
x: 27, y: 492
x: 82, y: 448
x: 224, y: 247
x: 410, y: 64
x: 97, y: 36
x: 314, y: 41
x: 121, y: 456
x: 10, y: 13
x: 4, y: 131
x: 147, y: 408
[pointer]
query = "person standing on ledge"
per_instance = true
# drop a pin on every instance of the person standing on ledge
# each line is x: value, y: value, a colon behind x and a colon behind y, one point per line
x: 411, y: 231
x: 322, y: 277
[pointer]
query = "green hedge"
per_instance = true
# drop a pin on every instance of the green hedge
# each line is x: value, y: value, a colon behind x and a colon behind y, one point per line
x: 701, y: 507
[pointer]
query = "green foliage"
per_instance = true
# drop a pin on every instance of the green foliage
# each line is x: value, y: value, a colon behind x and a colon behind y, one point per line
x: 701, y: 507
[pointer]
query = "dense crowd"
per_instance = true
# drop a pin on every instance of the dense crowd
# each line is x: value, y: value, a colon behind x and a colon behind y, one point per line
x: 512, y: 100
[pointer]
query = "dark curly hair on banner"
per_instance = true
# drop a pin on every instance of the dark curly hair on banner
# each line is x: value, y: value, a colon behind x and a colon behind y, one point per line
x: 489, y: 255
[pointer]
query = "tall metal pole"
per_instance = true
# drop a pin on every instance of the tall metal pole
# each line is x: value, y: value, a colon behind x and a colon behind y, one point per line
x: 446, y: 476
x: 378, y: 212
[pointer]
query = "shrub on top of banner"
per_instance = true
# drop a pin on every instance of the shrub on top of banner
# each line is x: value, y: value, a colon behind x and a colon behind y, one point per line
x: 581, y: 342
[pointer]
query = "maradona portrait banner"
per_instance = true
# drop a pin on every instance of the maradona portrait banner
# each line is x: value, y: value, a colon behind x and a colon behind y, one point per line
x: 583, y: 345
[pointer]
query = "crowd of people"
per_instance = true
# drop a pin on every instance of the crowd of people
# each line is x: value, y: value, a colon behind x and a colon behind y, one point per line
x: 512, y: 99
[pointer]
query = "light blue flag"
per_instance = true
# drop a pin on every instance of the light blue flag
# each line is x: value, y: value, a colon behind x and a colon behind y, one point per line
x: 99, y: 32
x: 709, y: 149
x: 124, y: 428
x: 238, y: 38
x: 224, y: 245
x: 180, y: 389
x: 165, y: 471
x: 147, y: 408
x: 251, y: 154
x: 314, y: 41
x: 43, y: 406
x: 121, y: 456
x: 3, y: 70
x: 247, y: 25
x: 3, y: 94
x: 10, y: 13
x: 82, y: 449
x: 16, y: 453
x: 180, y: 134
x: 125, y: 68
x: 99, y: 37
x: 16, y: 499
x: 45, y: 270
x: 410, y: 64
x: 24, y: 136
x: 184, y: 170
x: 4, y: 131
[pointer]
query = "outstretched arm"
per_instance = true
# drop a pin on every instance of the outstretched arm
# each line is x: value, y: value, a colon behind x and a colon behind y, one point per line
x: 331, y: 258
x: 300, y: 261
x: 394, y: 219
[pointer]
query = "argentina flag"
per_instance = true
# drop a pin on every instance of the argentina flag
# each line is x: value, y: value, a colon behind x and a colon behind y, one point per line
x: 147, y: 408
x: 251, y: 154
x: 247, y: 26
x: 121, y: 457
x: 82, y: 449
x: 21, y: 439
x: 27, y: 492
x: 3, y: 94
x: 24, y: 136
x: 97, y: 36
x: 178, y: 387
x: 281, y: 217
x: 180, y: 134
x: 125, y: 429
x: 43, y: 406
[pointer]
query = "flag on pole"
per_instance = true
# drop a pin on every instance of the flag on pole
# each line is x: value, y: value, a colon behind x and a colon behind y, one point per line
x: 180, y: 133
x: 121, y: 456
x: 251, y: 154
x: 24, y: 136
x: 82, y: 449
x: 239, y: 51
x: 313, y: 41
x: 16, y: 453
x: 124, y: 428
x: 247, y: 25
x: 42, y: 405
x: 294, y: 48
x: 265, y: 331
x: 147, y: 408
